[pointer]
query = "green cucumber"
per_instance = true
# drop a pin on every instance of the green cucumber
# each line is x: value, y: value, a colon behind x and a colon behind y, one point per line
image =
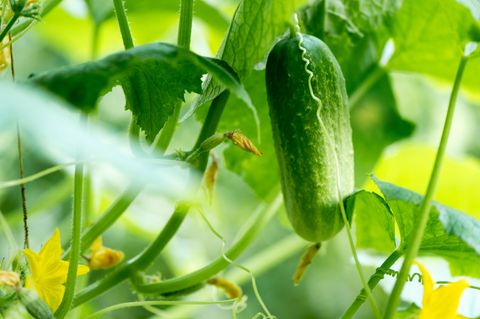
x: 35, y: 306
x: 314, y: 152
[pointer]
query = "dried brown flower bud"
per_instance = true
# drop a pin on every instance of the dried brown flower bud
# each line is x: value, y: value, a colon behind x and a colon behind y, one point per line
x: 231, y: 289
x: 240, y: 140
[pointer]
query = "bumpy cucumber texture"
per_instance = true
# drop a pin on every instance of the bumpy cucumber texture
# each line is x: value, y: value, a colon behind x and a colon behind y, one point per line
x: 311, y: 129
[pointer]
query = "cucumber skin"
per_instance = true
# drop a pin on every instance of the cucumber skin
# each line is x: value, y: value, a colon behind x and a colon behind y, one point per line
x: 307, y: 164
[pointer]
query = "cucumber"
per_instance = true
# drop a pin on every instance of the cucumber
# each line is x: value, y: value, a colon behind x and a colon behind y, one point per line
x: 315, y: 153
x: 35, y: 306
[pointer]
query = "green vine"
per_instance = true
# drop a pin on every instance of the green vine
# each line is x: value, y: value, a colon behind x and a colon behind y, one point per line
x: 422, y: 219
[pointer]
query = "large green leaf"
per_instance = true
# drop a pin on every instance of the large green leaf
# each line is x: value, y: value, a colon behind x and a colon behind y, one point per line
x: 253, y: 30
x: 429, y: 37
x: 450, y: 234
x: 356, y: 32
x: 374, y: 222
x: 261, y: 173
x: 154, y: 77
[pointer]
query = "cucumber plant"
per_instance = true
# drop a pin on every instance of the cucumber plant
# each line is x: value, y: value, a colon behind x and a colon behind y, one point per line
x: 311, y: 129
x: 281, y: 119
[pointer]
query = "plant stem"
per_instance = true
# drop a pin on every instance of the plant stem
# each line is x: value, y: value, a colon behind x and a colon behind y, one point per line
x: 47, y: 6
x: 192, y: 279
x: 95, y: 41
x: 147, y: 256
x: 109, y: 281
x: 139, y: 262
x: 22, y: 190
x: 76, y: 243
x: 166, y: 134
x: 366, y: 288
x: 122, y: 20
x: 111, y: 214
x: 185, y: 24
x: 158, y: 303
x: 372, y: 283
x: 183, y: 41
x: 9, y: 25
x: 421, y: 221
x: 210, y: 126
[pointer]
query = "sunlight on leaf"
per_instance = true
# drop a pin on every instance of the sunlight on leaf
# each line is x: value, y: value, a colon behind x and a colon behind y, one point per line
x: 410, y: 166
x: 420, y: 26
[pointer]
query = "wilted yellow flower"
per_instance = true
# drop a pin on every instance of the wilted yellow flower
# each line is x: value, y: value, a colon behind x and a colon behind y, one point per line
x: 305, y: 261
x: 9, y: 278
x: 231, y: 289
x: 210, y: 178
x: 440, y: 303
x: 243, y: 142
x: 49, y: 271
x: 104, y: 257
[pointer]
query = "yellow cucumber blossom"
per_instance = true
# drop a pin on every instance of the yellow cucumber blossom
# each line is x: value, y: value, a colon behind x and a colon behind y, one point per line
x: 49, y: 271
x: 442, y: 302
x: 103, y: 257
x: 9, y: 278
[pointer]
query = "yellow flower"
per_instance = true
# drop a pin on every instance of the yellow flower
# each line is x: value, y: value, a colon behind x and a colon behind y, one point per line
x: 9, y: 278
x: 49, y: 271
x: 440, y: 303
x: 103, y: 257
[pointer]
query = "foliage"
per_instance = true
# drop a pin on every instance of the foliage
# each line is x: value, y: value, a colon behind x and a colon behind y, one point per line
x: 188, y: 129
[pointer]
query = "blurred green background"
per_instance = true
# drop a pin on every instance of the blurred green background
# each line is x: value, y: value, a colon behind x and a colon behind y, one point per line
x: 64, y: 37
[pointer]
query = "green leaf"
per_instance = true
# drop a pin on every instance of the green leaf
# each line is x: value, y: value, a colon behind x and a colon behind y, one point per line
x: 374, y: 222
x: 253, y: 30
x: 450, y: 234
x: 429, y: 38
x: 355, y: 31
x: 154, y: 77
x: 261, y: 173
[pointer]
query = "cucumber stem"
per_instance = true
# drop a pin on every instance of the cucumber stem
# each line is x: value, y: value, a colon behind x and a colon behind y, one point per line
x: 9, y: 25
x: 124, y: 271
x: 122, y: 20
x: 77, y: 218
x: 422, y: 219
x: 183, y: 41
x: 372, y: 283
